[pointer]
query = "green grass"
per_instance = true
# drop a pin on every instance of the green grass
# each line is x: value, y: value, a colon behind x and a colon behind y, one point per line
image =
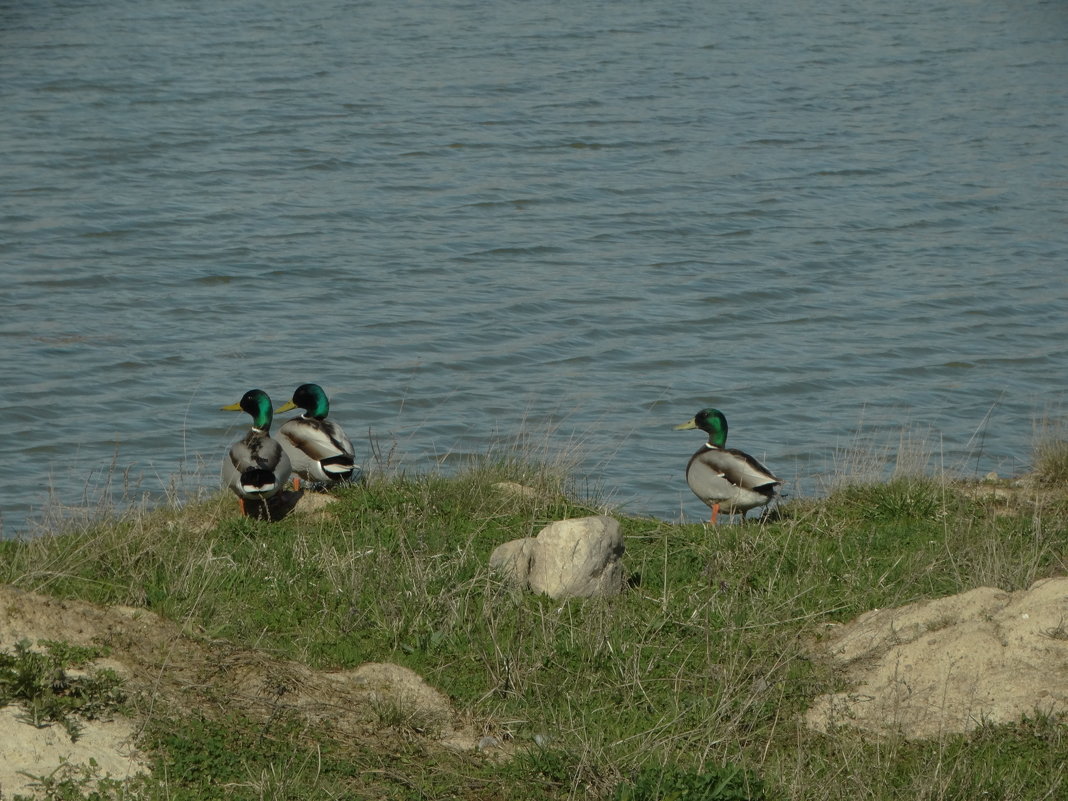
x: 689, y: 685
x: 38, y: 680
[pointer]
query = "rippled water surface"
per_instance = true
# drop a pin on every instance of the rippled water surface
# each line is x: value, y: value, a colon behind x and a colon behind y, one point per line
x: 582, y: 221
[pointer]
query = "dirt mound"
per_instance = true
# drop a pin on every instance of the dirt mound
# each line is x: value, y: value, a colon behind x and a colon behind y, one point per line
x: 950, y: 664
x: 163, y: 665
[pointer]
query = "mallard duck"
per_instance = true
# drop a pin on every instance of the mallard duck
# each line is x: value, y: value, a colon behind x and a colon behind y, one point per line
x: 725, y: 477
x: 317, y: 447
x: 256, y: 468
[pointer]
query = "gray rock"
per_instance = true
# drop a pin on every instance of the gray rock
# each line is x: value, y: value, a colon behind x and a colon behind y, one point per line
x: 517, y: 490
x: 512, y: 560
x: 579, y: 557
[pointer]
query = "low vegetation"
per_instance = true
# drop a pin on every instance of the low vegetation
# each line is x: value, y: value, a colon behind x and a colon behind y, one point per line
x: 48, y: 686
x: 1051, y: 452
x: 691, y: 685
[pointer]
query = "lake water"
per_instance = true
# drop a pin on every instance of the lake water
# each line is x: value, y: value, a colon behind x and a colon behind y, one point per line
x: 581, y: 221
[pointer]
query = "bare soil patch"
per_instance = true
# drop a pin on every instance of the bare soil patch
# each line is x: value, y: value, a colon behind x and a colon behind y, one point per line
x: 164, y: 666
x: 950, y: 664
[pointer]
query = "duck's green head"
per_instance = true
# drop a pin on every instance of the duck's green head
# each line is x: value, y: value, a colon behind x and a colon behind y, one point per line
x: 310, y: 398
x: 256, y: 403
x: 712, y: 422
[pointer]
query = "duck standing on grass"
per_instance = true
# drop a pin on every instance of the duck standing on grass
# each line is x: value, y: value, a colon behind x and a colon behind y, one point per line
x: 317, y: 447
x: 726, y: 477
x: 256, y: 468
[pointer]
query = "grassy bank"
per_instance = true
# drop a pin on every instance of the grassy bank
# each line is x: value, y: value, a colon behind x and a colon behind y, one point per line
x: 693, y: 681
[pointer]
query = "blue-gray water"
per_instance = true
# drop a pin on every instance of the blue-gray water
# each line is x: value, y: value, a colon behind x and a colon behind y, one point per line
x: 580, y: 220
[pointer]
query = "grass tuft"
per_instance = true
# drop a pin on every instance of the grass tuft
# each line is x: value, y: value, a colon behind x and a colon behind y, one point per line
x: 916, y: 498
x: 1051, y: 452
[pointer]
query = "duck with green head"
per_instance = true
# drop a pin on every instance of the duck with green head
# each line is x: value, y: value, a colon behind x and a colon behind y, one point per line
x: 318, y: 448
x: 256, y: 467
x: 726, y: 478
